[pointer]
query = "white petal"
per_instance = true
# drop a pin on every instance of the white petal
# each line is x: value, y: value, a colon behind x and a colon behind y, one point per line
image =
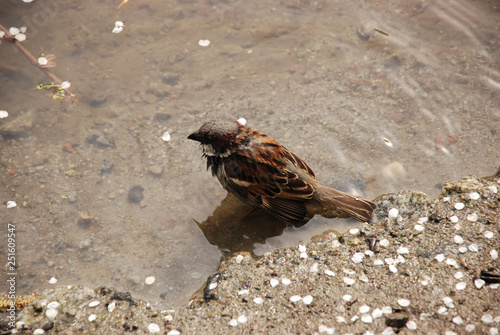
x: 203, y: 43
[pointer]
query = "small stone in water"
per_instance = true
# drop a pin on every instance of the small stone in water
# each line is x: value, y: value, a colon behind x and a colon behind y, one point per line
x: 462, y: 250
x: 454, y: 219
x: 404, y: 302
x: 377, y: 313
x: 92, y: 317
x: 150, y: 280
x: 458, y: 239
x: 274, y: 282
x: 493, y: 189
x: 461, y: 286
x: 459, y: 205
x: 458, y: 275
x: 11, y: 204
x: 53, y: 280
x: 458, y: 320
x: 286, y: 281
x: 295, y: 298
x: 419, y: 227
x: 233, y: 322
x: 242, y: 319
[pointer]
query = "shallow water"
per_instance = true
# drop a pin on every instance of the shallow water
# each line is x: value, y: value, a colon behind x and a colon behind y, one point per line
x: 370, y: 113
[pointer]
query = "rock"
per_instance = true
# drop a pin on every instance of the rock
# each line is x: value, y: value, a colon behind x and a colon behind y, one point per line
x: 85, y: 220
x: 156, y: 170
x: 19, y: 126
x: 150, y: 98
x: 86, y: 243
x: 162, y: 117
x: 99, y: 140
x: 98, y: 99
x: 107, y: 167
x: 135, y: 194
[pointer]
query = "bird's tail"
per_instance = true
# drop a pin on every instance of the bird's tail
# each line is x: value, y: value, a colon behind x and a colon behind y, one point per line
x: 332, y: 203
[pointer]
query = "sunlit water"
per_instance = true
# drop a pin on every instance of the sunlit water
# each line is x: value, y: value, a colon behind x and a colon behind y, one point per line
x: 370, y: 113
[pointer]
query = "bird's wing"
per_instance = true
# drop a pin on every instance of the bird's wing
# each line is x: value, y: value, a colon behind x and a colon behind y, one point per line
x: 264, y: 173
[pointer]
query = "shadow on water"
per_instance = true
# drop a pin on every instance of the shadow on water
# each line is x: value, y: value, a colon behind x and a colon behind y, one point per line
x: 257, y: 232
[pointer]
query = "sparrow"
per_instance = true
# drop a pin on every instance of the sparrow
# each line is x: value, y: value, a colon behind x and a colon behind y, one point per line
x: 264, y: 174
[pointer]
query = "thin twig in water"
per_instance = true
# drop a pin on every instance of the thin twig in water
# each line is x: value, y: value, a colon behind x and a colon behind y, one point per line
x: 34, y: 61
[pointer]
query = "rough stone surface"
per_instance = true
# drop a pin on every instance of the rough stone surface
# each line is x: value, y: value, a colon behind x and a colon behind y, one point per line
x: 427, y: 283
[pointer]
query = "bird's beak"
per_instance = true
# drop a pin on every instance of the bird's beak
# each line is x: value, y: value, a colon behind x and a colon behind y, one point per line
x: 195, y: 137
